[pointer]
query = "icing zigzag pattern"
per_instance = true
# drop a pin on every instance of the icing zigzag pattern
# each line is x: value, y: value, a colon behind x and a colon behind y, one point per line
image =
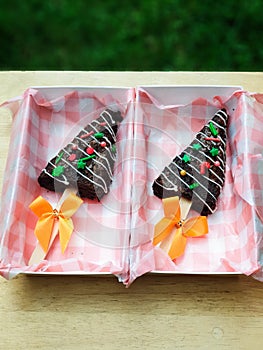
x: 198, y: 173
x: 87, y: 162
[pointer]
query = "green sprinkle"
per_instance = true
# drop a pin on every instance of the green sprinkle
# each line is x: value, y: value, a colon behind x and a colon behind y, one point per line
x: 113, y: 149
x: 213, y: 129
x: 186, y: 158
x: 59, y: 158
x: 196, y: 146
x: 58, y: 171
x: 99, y: 135
x: 82, y: 162
x: 214, y: 151
x: 193, y: 185
x: 89, y: 157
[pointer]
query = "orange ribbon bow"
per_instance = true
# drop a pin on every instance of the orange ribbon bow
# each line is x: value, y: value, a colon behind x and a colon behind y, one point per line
x: 47, y: 217
x: 173, y: 224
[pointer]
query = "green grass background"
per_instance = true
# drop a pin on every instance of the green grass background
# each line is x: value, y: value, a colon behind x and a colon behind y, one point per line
x: 131, y: 35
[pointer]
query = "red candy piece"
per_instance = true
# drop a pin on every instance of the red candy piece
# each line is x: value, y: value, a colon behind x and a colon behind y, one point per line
x: 203, y: 167
x: 89, y: 150
x: 86, y: 135
x: 72, y: 157
x: 217, y: 163
x: 103, y: 144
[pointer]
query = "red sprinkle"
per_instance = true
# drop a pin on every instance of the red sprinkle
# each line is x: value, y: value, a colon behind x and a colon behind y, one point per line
x: 89, y: 150
x: 72, y: 157
x: 217, y: 163
x: 86, y: 135
x: 74, y: 147
x: 103, y: 123
x: 212, y: 139
x: 103, y: 144
x: 203, y: 167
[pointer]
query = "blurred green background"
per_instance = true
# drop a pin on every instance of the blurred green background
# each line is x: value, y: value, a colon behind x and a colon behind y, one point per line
x: 131, y: 35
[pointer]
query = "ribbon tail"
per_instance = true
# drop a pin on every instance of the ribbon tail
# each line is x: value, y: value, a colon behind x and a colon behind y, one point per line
x: 43, y: 231
x: 65, y: 230
x: 162, y: 229
x: 178, y: 244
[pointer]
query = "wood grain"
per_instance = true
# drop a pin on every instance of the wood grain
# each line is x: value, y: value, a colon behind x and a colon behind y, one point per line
x: 156, y: 312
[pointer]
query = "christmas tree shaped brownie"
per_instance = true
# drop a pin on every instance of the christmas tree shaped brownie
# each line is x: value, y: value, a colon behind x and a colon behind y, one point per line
x: 87, y: 162
x: 198, y: 173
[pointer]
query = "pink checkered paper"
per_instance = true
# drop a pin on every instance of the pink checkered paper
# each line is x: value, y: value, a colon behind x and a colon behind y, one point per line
x: 45, y: 120
x: 161, y: 131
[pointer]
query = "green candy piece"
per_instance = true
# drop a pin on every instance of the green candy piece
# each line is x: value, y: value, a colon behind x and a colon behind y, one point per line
x: 186, y: 158
x: 196, y: 146
x: 213, y: 129
x: 193, y: 185
x: 214, y: 151
x: 99, y: 135
x: 58, y: 171
x: 59, y: 158
x: 113, y: 149
x: 82, y: 162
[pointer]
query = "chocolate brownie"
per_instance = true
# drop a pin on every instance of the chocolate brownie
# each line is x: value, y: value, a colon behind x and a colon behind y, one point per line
x: 87, y: 162
x: 198, y: 173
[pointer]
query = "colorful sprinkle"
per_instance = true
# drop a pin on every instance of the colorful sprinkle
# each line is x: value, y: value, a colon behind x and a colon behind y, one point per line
x: 113, y: 149
x: 213, y: 129
x: 193, y: 185
x: 183, y: 172
x: 74, y: 147
x: 217, y: 163
x: 103, y: 123
x: 196, y: 146
x: 99, y: 135
x: 58, y: 171
x: 186, y: 158
x: 212, y: 139
x: 214, y: 151
x: 59, y: 158
x: 72, y: 157
x: 81, y: 164
x: 103, y: 144
x: 86, y: 135
x: 203, y: 167
x: 88, y: 158
x: 89, y: 150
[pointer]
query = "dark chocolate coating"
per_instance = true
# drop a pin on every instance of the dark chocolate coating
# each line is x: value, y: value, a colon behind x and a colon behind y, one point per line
x: 94, y: 178
x: 209, y: 180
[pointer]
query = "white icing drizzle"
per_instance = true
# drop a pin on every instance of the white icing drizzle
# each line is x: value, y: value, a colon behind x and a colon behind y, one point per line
x: 214, y: 142
x: 218, y: 114
x: 96, y: 161
x: 207, y: 156
x: 198, y: 171
x: 200, y: 184
x: 220, y: 148
x: 99, y: 177
x: 64, y: 181
x: 87, y: 145
x: 174, y: 188
x: 111, y: 154
x: 209, y: 169
x: 201, y: 199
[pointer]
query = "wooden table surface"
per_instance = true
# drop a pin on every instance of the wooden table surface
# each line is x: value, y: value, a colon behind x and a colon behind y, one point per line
x: 156, y: 312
